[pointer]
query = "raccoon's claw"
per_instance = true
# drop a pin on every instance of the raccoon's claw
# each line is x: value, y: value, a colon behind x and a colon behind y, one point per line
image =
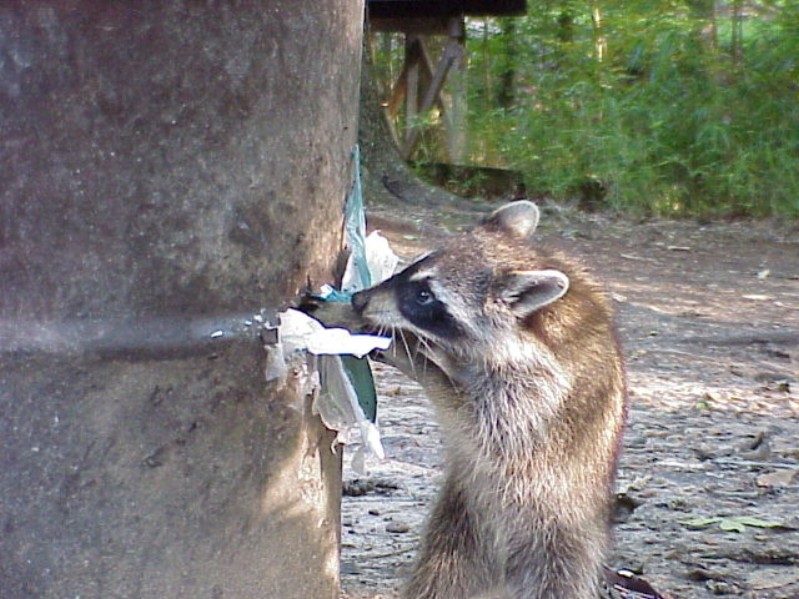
x: 378, y: 355
x: 308, y: 303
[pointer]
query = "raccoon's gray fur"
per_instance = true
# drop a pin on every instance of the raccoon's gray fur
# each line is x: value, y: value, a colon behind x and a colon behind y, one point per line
x: 515, y: 347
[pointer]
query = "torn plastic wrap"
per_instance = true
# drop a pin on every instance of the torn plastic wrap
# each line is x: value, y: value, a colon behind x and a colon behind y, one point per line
x: 300, y: 331
x: 380, y: 260
x: 371, y: 260
x: 357, y: 275
x: 348, y: 400
x: 337, y: 401
x: 345, y: 416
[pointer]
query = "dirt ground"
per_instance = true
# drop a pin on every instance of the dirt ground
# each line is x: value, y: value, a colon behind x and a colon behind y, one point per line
x: 709, y: 478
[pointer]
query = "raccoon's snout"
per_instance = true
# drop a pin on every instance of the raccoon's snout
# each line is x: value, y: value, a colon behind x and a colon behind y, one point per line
x: 359, y: 301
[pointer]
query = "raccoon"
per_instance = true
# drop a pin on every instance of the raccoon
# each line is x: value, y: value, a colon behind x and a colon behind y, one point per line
x: 516, y: 349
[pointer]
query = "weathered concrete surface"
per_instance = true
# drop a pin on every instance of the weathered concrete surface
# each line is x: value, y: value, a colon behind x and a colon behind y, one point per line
x: 163, y: 169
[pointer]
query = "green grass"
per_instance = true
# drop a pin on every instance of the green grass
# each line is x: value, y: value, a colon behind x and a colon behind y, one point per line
x: 666, y: 124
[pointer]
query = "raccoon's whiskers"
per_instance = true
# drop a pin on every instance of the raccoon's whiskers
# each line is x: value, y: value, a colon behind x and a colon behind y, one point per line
x: 405, y: 346
x: 429, y: 349
x: 424, y: 349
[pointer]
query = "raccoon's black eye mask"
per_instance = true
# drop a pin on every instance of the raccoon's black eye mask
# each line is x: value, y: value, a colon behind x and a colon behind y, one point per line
x: 418, y: 303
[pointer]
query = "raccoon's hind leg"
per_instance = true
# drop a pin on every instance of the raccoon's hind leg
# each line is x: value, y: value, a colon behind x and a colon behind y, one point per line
x: 450, y: 564
x: 556, y: 564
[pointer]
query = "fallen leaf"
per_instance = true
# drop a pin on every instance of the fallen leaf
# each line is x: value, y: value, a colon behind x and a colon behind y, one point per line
x: 701, y: 522
x: 731, y: 524
x: 739, y: 523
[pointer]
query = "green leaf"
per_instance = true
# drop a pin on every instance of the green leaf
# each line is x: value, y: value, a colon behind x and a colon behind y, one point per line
x: 360, y: 374
x: 701, y: 522
x: 757, y: 522
x: 731, y: 524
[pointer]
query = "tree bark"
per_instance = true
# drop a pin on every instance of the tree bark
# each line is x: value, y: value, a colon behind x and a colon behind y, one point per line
x: 169, y: 170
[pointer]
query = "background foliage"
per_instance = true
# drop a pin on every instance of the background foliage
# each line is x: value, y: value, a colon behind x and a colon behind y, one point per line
x: 650, y: 106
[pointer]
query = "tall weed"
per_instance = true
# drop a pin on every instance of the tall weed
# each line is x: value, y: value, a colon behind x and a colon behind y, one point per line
x: 666, y: 123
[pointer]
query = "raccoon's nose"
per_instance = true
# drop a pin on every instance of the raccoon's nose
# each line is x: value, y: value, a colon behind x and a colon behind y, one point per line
x: 360, y: 300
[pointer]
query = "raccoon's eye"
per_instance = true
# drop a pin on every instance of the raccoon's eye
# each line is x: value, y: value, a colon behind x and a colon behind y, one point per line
x: 425, y: 297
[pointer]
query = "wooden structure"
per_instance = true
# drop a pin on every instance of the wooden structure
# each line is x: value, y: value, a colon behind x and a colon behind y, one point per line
x: 419, y: 85
x: 435, y: 9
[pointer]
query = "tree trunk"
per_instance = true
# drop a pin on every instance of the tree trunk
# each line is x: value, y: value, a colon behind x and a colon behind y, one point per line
x: 600, y: 41
x: 506, y: 90
x: 704, y: 13
x: 737, y: 42
x: 168, y: 171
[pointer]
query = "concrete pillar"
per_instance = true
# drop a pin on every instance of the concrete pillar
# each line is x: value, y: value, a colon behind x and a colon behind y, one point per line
x: 167, y: 170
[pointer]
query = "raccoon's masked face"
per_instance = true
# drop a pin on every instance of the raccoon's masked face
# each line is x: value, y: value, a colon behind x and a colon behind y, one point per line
x: 411, y: 300
x: 463, y: 298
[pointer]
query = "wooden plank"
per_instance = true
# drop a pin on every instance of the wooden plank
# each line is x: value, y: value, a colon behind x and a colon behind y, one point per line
x: 429, y: 73
x: 444, y: 8
x: 419, y: 25
x: 455, y: 118
x: 452, y: 51
x: 398, y: 92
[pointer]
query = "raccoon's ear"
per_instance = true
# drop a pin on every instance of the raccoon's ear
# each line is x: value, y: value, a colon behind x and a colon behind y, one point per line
x: 518, y: 219
x: 525, y: 291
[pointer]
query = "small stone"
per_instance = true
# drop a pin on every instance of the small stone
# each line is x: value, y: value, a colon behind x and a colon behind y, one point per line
x: 720, y: 587
x: 397, y: 527
x: 780, y: 478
